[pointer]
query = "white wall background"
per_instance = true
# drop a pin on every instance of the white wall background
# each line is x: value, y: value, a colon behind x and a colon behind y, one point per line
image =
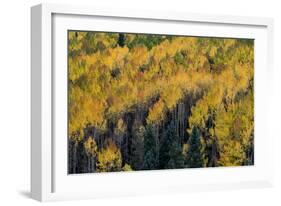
x: 15, y: 101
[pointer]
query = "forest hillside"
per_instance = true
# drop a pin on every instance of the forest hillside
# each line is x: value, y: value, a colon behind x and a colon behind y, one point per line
x: 146, y: 102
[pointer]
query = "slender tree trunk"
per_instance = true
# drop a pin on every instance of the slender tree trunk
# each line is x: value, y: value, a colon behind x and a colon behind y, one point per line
x: 75, y: 157
x: 89, y: 164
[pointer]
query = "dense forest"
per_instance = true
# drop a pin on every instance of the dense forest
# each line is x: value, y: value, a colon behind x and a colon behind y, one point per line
x: 147, y: 102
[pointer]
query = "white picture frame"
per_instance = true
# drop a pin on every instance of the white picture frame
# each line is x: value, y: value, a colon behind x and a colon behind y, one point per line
x: 49, y: 179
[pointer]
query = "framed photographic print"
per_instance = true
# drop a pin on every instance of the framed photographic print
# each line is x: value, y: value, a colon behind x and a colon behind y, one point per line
x: 134, y: 102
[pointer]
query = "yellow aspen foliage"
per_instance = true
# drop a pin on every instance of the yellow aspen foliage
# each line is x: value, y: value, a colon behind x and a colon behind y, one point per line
x: 118, y: 79
x: 232, y: 155
x: 185, y: 149
x: 234, y: 130
x: 156, y: 113
x: 171, y: 96
x: 109, y: 158
x: 138, y: 56
x: 127, y: 167
x: 91, y: 147
x: 77, y: 67
x: 213, y: 51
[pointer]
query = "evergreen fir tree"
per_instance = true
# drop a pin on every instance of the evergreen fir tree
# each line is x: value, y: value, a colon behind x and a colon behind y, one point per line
x: 170, y: 151
x: 195, y: 157
x: 121, y: 40
x: 176, y: 156
x: 150, y: 152
x: 164, y: 152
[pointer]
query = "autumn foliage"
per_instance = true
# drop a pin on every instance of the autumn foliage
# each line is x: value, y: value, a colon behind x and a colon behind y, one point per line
x: 143, y: 101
